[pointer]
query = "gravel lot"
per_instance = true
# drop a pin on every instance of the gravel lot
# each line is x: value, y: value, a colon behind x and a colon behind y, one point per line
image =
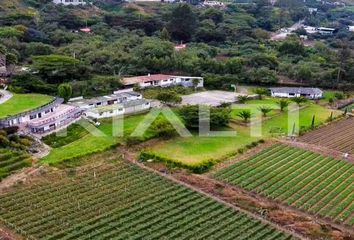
x: 211, y: 98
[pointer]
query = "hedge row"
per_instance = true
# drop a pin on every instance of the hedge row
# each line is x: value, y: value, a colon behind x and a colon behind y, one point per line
x: 202, y: 167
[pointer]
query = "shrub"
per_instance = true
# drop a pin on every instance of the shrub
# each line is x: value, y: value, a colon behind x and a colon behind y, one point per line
x: 199, y: 168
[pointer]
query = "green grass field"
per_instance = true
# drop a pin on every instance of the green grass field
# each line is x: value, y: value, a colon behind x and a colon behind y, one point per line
x: 124, y: 202
x: 190, y: 150
x: 195, y: 149
x: 22, y: 102
x: 71, y: 146
x: 320, y: 185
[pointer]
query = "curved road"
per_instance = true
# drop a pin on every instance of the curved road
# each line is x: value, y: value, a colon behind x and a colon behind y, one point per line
x: 4, y: 96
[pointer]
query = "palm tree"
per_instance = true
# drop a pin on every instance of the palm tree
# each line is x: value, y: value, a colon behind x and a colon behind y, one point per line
x: 265, y: 110
x: 299, y: 100
x: 283, y: 104
x: 242, y: 99
x: 245, y: 115
x: 261, y: 92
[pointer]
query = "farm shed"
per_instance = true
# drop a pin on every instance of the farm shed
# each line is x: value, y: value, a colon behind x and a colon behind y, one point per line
x: 289, y: 92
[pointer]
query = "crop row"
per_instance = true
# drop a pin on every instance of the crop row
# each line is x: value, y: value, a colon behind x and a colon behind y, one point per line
x: 124, y: 202
x: 321, y: 185
x: 11, y: 161
x: 338, y: 136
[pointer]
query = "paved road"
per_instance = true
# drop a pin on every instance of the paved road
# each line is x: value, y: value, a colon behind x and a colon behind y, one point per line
x: 4, y: 96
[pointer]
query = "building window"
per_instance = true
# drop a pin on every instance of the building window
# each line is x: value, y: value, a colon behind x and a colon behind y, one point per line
x: 33, y: 117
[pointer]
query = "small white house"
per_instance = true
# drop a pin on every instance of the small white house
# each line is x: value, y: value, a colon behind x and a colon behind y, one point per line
x: 70, y: 2
x: 119, y: 109
x: 162, y: 80
x: 290, y: 92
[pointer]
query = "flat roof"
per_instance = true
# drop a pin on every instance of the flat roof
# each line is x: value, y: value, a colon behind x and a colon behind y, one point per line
x: 146, y: 78
x: 107, y: 108
x: 299, y: 90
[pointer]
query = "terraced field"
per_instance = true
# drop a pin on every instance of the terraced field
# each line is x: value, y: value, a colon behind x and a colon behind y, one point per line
x: 11, y: 161
x: 320, y: 185
x: 124, y: 202
x: 338, y: 136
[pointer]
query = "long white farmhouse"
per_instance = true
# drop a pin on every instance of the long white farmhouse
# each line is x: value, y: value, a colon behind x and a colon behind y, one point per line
x: 289, y: 92
x: 119, y: 103
x: 70, y: 2
x: 162, y: 80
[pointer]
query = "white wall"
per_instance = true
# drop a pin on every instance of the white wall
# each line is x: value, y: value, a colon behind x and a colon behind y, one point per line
x: 70, y: 2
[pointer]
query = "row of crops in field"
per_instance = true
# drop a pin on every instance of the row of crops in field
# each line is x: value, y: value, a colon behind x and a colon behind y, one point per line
x: 124, y: 202
x: 11, y: 161
x: 338, y: 136
x: 320, y: 185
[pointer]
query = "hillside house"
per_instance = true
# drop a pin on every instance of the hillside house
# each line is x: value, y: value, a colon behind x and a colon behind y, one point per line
x: 45, y: 118
x: 70, y: 2
x: 290, y: 92
x: 62, y: 116
x: 162, y: 80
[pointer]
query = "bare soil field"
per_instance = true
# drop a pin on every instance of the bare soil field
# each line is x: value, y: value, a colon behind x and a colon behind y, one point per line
x: 338, y: 136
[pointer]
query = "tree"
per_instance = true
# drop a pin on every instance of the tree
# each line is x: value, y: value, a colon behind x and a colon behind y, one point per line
x: 163, y: 128
x: 242, y: 99
x: 169, y: 97
x: 219, y: 116
x: 195, y: 82
x: 213, y: 14
x: 299, y: 100
x: 165, y: 35
x: 283, y: 104
x: 65, y: 91
x: 58, y: 68
x: 265, y: 110
x: 183, y: 23
x: 343, y: 56
x: 292, y: 46
x: 261, y: 92
x: 245, y: 115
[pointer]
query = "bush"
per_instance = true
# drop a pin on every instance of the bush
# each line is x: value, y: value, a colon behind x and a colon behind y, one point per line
x: 163, y: 129
x: 202, y: 167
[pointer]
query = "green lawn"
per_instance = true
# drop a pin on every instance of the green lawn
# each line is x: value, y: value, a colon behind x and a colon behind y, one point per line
x: 88, y: 144
x: 22, y: 102
x: 196, y: 149
x: 189, y: 150
x: 254, y: 106
x: 192, y: 150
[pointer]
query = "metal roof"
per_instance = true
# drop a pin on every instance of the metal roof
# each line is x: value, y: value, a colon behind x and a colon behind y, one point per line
x: 299, y: 90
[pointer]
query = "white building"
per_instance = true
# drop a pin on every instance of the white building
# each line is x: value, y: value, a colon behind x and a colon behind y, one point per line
x: 45, y: 118
x: 162, y: 80
x: 116, y: 98
x: 290, y: 92
x: 70, y: 2
x: 130, y: 107
x: 121, y: 102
